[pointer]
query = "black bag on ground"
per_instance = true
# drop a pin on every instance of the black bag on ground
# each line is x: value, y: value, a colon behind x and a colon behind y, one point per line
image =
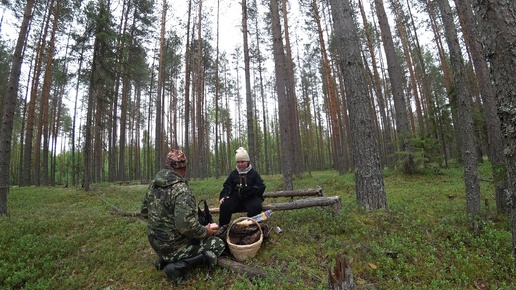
x: 205, y: 216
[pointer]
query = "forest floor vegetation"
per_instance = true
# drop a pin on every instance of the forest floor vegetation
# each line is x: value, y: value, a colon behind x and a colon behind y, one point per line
x: 65, y: 238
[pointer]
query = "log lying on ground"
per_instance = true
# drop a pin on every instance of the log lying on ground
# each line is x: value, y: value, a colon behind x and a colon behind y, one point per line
x: 333, y: 201
x: 291, y: 193
x: 118, y: 211
x: 240, y: 268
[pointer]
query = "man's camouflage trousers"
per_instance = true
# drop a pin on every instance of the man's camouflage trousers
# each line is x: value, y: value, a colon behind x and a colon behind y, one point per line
x: 174, y: 252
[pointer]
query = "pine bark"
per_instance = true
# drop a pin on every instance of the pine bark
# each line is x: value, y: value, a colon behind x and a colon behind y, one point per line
x: 281, y: 73
x: 395, y: 76
x: 292, y: 103
x: 369, y: 184
x: 187, y: 82
x: 9, y: 108
x: 467, y: 130
x: 160, y: 155
x: 498, y: 25
x: 28, y: 167
x: 387, y: 128
x: 494, y: 133
x: 248, y: 96
x: 331, y: 98
x: 43, y: 124
x: 403, y: 35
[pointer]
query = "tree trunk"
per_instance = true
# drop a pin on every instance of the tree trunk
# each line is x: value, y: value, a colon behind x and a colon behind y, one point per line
x: 448, y: 85
x: 28, y: 167
x: 428, y: 103
x: 369, y: 185
x: 467, y: 130
x: 97, y: 90
x: 43, y: 125
x: 199, y: 146
x: 402, y: 31
x: 386, y: 129
x: 160, y: 155
x: 281, y: 73
x: 395, y: 77
x: 266, y: 157
x: 217, y: 97
x: 494, y: 133
x: 332, y: 99
x: 292, y: 111
x: 497, y: 20
x: 75, y: 167
x: 187, y: 82
x: 248, y: 96
x: 9, y: 108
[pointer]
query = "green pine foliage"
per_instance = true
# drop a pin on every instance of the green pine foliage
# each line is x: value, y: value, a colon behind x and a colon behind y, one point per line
x: 64, y: 238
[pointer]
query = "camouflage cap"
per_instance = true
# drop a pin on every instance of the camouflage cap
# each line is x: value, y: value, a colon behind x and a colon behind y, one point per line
x: 176, y: 159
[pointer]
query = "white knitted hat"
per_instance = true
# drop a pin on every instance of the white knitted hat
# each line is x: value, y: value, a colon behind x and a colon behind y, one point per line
x: 241, y: 155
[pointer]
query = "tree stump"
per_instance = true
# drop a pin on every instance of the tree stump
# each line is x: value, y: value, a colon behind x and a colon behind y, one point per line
x: 341, y: 278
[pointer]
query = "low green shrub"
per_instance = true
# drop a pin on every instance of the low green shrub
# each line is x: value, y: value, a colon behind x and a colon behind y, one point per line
x: 65, y: 238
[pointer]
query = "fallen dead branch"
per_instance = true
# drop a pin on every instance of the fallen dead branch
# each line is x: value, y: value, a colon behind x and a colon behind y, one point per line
x: 118, y: 211
x: 240, y: 268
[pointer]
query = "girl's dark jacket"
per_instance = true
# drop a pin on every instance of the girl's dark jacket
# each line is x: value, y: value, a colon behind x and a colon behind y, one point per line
x: 243, y: 185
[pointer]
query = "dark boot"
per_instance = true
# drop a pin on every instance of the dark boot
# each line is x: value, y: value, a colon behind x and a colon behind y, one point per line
x: 178, y: 270
x: 160, y: 263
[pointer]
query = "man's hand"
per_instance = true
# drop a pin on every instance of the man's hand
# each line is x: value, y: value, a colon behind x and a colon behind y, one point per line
x: 212, y: 229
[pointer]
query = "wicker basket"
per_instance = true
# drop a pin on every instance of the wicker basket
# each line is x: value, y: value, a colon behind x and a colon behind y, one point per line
x: 244, y: 252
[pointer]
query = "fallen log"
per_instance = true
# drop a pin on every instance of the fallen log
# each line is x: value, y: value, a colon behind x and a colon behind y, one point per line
x: 291, y: 193
x: 333, y: 201
x: 118, y: 211
x: 240, y: 268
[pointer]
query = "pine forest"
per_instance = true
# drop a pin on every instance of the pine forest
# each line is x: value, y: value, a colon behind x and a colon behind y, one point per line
x: 99, y: 91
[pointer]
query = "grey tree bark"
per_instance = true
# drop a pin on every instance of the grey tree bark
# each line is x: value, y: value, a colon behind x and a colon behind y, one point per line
x: 494, y: 133
x: 369, y: 184
x: 9, y: 107
x: 281, y: 89
x: 395, y: 75
x: 248, y: 96
x: 465, y: 119
x: 498, y: 25
x: 159, y: 157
